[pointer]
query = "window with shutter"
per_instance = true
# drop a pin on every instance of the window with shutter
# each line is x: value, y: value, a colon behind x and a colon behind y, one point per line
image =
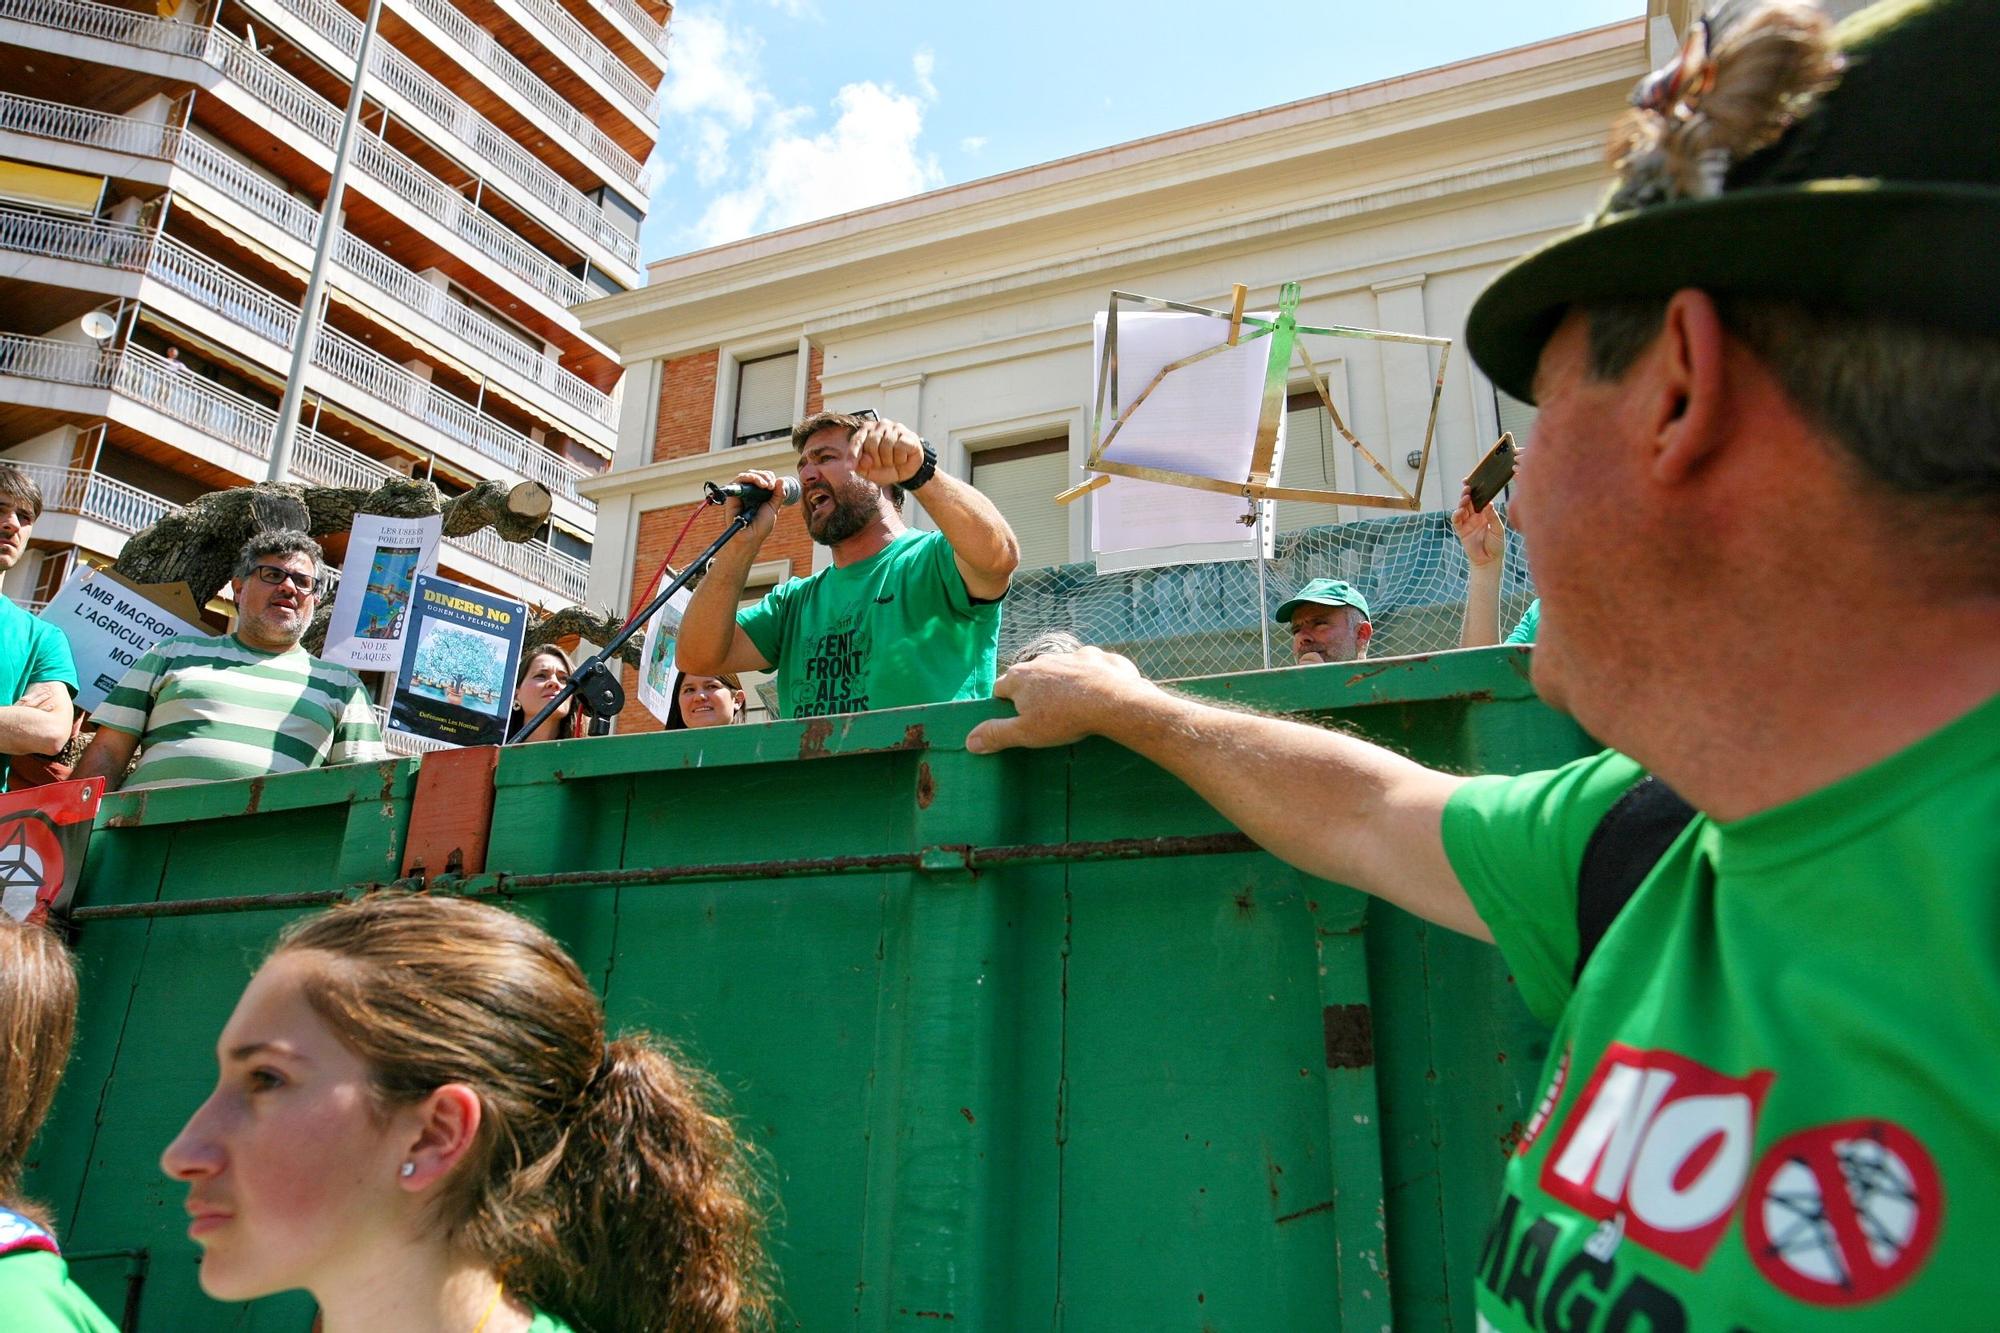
x: 1514, y: 415
x: 1309, y: 462
x: 764, y: 398
x: 1021, y: 481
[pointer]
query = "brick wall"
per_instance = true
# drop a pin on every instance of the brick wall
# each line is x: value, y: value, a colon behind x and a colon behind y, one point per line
x: 687, y: 406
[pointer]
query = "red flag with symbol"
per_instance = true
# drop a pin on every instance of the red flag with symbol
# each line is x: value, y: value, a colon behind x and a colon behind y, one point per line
x: 44, y: 832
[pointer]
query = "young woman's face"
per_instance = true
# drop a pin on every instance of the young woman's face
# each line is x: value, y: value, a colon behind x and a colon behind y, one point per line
x: 291, y: 1170
x: 544, y: 681
x: 708, y: 702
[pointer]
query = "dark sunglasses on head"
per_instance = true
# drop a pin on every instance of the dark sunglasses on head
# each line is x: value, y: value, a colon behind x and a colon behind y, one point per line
x: 276, y: 574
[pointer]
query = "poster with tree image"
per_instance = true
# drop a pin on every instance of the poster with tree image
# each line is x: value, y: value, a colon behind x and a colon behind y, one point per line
x: 460, y: 652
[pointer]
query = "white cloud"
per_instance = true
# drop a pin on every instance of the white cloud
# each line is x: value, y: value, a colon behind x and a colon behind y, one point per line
x: 711, y: 74
x: 711, y: 152
x: 870, y: 155
x: 972, y: 143
x: 761, y: 164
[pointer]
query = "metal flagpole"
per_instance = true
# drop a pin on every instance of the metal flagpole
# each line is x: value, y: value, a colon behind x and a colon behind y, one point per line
x: 1263, y: 585
x: 307, y: 333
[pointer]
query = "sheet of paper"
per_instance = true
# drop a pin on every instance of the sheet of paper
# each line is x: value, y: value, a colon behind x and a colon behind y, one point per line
x: 656, y: 662
x: 384, y: 557
x: 1201, y: 419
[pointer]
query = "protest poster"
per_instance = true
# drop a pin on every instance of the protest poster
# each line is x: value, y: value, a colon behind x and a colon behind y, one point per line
x: 109, y: 625
x: 461, y: 648
x: 384, y: 557
x: 44, y: 833
x: 656, y: 662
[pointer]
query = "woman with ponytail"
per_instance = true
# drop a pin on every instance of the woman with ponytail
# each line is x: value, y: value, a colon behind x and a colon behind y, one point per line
x: 37, y: 1020
x: 420, y: 1121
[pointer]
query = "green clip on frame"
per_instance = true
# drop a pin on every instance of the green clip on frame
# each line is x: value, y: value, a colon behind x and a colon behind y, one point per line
x: 1283, y: 333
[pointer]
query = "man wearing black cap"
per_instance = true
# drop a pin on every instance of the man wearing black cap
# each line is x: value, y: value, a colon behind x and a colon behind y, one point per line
x: 1769, y: 375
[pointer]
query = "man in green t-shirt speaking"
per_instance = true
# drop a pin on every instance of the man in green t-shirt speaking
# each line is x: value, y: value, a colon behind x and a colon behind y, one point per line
x: 1768, y: 374
x: 900, y: 617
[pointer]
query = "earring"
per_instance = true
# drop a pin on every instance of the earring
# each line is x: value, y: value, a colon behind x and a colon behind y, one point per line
x: 409, y: 1169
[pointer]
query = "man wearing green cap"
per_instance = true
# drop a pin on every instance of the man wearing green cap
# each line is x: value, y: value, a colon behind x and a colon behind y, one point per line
x: 1329, y: 622
x: 1768, y: 375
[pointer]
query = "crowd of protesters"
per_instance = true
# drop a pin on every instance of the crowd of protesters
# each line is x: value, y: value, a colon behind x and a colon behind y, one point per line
x: 419, y: 1109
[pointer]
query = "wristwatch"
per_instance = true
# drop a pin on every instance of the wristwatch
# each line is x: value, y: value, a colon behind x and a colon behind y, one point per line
x: 925, y: 470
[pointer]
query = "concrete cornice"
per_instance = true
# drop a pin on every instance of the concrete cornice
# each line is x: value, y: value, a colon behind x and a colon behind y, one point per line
x: 819, y: 312
x: 1455, y: 110
x: 678, y: 480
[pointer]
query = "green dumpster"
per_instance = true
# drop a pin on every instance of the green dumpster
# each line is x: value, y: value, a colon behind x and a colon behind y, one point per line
x: 1027, y: 1041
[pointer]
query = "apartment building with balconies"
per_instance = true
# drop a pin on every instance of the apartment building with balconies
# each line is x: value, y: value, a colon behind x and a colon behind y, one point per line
x: 162, y: 174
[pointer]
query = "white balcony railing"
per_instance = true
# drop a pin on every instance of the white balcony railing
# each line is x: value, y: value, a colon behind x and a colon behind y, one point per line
x: 56, y: 362
x: 193, y: 400
x: 95, y: 129
x: 401, y: 73
x: 84, y: 240
x: 484, y: 47
x: 403, y: 287
x: 318, y: 118
x: 110, y: 23
x: 543, y: 566
x: 648, y: 27
x: 410, y: 182
x: 216, y: 288
x: 595, y: 54
x: 69, y: 490
x: 269, y: 201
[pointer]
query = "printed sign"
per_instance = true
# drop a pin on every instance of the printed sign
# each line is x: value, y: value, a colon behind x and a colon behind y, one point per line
x: 461, y: 649
x: 384, y: 557
x: 43, y: 836
x: 656, y: 663
x: 109, y: 627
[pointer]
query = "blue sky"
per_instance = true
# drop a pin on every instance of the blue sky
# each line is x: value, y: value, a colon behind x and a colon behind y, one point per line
x: 779, y: 111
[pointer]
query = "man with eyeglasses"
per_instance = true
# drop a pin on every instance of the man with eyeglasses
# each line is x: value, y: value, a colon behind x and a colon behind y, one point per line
x: 242, y: 704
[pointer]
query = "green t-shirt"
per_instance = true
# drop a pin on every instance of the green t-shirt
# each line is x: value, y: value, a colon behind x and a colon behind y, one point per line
x: 1530, y: 622
x: 37, y: 1296
x: 896, y: 629
x: 1773, y: 1099
x: 206, y: 709
x: 544, y: 1322
x: 31, y: 651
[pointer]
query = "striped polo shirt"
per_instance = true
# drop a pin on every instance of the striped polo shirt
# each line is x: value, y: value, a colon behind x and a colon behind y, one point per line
x: 205, y: 709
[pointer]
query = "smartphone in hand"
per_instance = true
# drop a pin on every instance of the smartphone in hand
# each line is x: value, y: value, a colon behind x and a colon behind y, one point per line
x: 1493, y: 472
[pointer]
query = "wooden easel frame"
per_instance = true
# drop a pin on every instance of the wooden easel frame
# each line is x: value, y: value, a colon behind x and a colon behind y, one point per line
x: 1283, y: 332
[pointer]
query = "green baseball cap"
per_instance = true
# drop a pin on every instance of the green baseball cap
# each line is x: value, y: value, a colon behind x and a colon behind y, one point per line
x: 1324, y: 592
x: 1869, y: 184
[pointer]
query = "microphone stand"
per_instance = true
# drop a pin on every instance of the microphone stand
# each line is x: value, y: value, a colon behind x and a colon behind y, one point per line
x: 603, y: 695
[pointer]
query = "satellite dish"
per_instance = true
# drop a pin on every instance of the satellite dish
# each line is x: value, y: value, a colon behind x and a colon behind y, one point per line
x: 98, y: 325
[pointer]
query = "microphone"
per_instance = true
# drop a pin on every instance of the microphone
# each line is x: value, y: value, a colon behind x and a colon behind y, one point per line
x: 752, y: 496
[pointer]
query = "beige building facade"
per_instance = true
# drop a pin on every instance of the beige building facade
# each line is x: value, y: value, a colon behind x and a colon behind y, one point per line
x: 967, y: 312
